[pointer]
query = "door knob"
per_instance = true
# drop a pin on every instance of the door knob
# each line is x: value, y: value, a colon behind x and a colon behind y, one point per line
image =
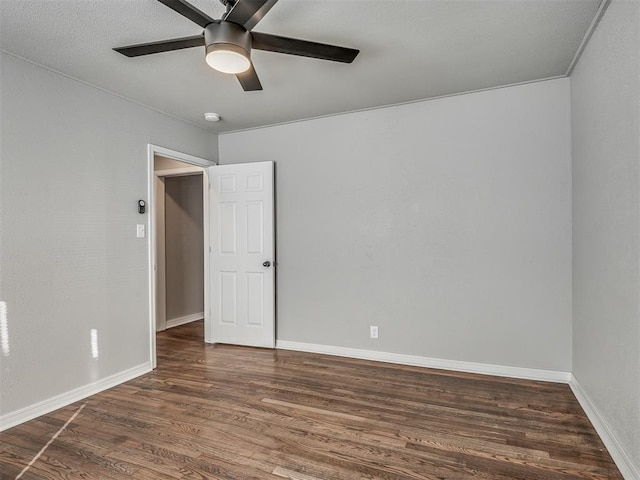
x: 266, y: 264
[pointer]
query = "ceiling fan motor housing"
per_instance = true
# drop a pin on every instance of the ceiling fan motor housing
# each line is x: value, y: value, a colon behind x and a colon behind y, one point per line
x: 229, y: 36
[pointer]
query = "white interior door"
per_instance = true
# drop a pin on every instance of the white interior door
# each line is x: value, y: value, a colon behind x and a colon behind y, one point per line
x: 242, y: 269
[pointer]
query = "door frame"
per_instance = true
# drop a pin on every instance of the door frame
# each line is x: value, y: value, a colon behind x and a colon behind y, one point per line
x: 152, y: 151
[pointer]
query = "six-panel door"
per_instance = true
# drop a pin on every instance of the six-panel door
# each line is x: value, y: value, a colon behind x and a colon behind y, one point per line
x: 242, y: 254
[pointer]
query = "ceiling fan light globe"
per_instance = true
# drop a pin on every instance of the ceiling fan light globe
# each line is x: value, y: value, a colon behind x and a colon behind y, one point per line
x: 227, y: 61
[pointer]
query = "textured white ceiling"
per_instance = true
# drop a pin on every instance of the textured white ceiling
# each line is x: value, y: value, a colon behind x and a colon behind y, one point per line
x: 409, y: 50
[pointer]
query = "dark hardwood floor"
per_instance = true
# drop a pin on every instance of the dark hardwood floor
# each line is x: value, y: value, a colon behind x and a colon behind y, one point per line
x: 225, y: 412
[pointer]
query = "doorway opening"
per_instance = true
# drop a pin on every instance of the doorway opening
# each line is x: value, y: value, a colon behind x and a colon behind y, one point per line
x: 179, y: 244
x: 178, y: 241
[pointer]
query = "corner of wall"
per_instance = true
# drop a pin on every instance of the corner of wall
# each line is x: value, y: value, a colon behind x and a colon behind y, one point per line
x: 614, y: 446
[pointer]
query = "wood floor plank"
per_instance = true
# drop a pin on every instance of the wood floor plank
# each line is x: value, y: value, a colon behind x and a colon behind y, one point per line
x: 235, y: 413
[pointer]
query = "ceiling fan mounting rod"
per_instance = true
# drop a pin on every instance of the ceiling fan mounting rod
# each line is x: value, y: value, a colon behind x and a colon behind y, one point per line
x: 229, y: 4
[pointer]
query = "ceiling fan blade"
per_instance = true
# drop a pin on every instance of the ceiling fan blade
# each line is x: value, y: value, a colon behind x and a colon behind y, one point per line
x: 249, y: 12
x: 189, y: 11
x: 249, y: 80
x: 161, y: 46
x: 303, y: 48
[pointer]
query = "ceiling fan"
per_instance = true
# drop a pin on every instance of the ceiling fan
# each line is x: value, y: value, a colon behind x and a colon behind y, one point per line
x: 228, y: 42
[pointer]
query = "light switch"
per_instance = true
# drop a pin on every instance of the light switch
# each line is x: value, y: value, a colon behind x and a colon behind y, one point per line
x: 140, y: 230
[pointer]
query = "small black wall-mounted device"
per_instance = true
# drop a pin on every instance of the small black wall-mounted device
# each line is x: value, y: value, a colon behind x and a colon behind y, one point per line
x: 141, y: 206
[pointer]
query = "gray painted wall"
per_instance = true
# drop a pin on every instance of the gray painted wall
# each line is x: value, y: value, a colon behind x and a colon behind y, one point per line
x: 184, y: 246
x: 446, y: 223
x: 605, y: 88
x: 73, y: 165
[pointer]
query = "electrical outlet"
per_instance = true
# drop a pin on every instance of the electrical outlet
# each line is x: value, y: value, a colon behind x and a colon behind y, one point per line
x: 373, y: 331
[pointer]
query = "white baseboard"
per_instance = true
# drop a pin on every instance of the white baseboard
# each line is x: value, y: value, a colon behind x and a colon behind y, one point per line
x: 174, y: 322
x: 46, y: 406
x: 455, y: 365
x: 617, y: 452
